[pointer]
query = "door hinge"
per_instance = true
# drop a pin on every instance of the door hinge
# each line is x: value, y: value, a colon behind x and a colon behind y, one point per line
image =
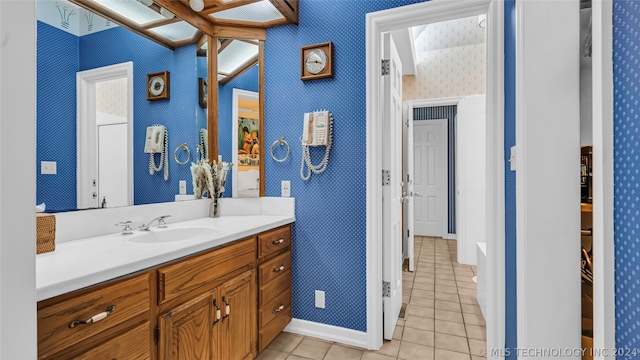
x: 385, y: 67
x: 386, y: 289
x: 407, y: 233
x: 386, y: 177
x: 156, y: 334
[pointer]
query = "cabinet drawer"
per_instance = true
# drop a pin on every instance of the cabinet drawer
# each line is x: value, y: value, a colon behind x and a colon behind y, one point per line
x: 184, y: 276
x: 274, y: 240
x: 274, y: 328
x: 274, y: 267
x: 130, y: 298
x: 133, y: 344
x: 273, y: 288
x: 276, y: 306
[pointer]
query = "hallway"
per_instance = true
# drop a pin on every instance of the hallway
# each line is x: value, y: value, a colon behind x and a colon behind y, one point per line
x: 442, y: 319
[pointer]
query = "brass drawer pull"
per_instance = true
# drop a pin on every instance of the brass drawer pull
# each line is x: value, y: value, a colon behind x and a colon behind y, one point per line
x: 278, y: 242
x: 94, y: 318
x: 278, y: 269
x: 278, y: 309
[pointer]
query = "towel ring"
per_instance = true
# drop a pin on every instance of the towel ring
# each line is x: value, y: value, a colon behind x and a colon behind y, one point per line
x: 175, y: 153
x: 282, y: 142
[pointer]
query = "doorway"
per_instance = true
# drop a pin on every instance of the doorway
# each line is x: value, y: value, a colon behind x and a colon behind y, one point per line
x: 105, y: 141
x: 413, y: 15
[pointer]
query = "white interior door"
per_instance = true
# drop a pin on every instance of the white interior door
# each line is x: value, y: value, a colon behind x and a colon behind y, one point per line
x: 392, y: 189
x: 112, y: 153
x: 409, y: 201
x: 430, y: 185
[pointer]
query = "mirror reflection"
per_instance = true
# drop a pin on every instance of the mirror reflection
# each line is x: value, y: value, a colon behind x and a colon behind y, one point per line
x: 239, y: 128
x: 99, y: 160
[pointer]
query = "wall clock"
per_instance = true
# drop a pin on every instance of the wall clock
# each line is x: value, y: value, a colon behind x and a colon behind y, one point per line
x: 316, y: 61
x: 158, y: 86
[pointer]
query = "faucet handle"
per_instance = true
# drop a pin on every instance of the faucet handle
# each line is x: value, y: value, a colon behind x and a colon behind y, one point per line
x: 127, y: 227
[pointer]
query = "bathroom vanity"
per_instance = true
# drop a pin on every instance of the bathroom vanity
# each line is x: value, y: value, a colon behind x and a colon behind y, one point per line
x: 226, y: 296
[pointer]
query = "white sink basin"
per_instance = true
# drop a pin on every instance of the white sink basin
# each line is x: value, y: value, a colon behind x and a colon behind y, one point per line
x: 155, y: 236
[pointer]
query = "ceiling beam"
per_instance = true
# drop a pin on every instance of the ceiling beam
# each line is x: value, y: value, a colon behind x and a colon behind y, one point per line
x: 287, y: 10
x: 161, y: 22
x: 123, y: 21
x: 184, y: 11
x: 237, y: 32
x: 239, y: 71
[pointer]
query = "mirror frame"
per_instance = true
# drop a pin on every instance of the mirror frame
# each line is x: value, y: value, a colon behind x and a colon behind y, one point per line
x: 212, y: 75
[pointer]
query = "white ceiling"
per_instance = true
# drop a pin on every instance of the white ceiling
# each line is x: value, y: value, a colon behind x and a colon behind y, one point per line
x: 448, y: 34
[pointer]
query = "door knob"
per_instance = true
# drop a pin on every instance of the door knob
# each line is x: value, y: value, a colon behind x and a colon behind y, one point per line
x: 404, y: 200
x: 417, y: 194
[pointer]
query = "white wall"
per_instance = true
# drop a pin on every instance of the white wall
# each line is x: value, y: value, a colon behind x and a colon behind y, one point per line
x: 471, y: 159
x: 17, y: 180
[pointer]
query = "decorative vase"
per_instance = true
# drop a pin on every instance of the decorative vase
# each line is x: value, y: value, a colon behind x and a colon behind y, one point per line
x: 214, y: 210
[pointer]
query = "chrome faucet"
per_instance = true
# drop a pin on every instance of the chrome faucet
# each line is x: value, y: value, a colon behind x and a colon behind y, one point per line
x: 161, y: 223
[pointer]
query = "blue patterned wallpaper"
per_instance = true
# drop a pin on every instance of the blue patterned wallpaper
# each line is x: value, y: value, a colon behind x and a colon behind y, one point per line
x: 329, y: 233
x: 246, y: 81
x: 511, y: 316
x: 511, y: 322
x: 626, y: 53
x: 445, y: 112
x: 57, y: 64
x: 58, y: 61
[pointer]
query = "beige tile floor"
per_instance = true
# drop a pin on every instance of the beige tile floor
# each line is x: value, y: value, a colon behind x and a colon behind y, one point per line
x: 442, y: 319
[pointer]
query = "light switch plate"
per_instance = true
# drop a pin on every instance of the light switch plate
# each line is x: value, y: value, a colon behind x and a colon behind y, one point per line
x: 320, y: 299
x: 183, y: 187
x: 48, y: 167
x: 286, y: 188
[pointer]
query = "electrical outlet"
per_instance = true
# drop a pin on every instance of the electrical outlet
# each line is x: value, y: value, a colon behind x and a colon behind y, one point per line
x: 183, y: 187
x: 48, y: 167
x: 286, y: 188
x: 320, y: 299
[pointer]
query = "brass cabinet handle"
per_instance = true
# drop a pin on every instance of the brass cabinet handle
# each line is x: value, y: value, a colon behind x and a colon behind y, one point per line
x: 227, y: 308
x: 279, y: 268
x: 215, y: 303
x: 278, y: 309
x: 278, y: 242
x: 94, y: 318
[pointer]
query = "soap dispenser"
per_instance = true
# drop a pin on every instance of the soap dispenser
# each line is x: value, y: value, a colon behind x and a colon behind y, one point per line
x: 104, y: 202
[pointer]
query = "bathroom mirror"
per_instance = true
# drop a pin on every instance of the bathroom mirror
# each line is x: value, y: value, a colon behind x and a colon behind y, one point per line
x: 60, y: 56
x: 240, y: 106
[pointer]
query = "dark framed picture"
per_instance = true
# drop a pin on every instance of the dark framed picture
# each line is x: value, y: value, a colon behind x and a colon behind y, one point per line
x: 202, y: 92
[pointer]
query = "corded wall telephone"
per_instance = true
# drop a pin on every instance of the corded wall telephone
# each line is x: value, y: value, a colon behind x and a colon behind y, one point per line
x: 317, y: 131
x: 157, y: 141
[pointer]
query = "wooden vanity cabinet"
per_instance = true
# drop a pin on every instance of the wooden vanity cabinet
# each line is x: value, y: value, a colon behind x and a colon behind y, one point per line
x: 214, y: 320
x: 228, y: 303
x: 274, y: 284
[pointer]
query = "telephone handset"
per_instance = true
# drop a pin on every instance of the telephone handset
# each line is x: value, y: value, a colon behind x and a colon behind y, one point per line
x: 315, y: 128
x: 157, y: 142
x: 317, y: 131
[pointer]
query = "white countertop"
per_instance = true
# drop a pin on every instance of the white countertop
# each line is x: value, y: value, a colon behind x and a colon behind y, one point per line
x: 81, y: 263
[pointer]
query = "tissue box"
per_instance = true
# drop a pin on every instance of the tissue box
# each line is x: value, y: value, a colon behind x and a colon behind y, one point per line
x: 45, y: 233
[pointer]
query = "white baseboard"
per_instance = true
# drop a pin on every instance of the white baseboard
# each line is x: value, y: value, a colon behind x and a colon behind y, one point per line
x: 449, y: 236
x: 328, y: 332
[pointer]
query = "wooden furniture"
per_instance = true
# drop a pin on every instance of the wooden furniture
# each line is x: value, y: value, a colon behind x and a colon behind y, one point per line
x: 274, y: 279
x: 206, y: 306
x: 586, y: 174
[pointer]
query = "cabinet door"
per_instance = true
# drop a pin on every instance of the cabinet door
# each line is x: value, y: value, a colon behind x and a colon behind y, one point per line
x: 239, y: 324
x: 187, y: 331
